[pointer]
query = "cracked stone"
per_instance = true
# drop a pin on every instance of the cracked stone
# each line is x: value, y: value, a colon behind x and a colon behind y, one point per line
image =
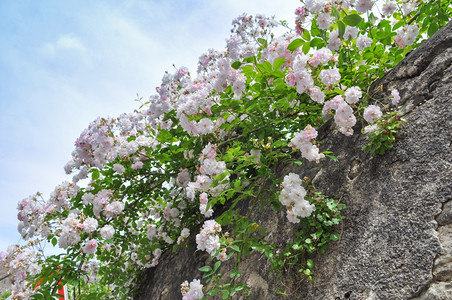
x: 445, y: 217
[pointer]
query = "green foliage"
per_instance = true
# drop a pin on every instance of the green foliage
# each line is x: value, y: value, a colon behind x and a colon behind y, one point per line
x: 5, y: 295
x: 314, y: 234
x: 384, y: 137
x: 352, y: 20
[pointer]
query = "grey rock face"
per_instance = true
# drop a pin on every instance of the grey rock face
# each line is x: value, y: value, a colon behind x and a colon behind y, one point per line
x: 396, y: 239
x: 4, y: 282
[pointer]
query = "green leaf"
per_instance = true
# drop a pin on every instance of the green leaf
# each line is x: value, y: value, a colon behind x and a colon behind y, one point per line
x: 54, y: 241
x: 328, y: 223
x: 251, y: 227
x: 306, y: 35
x: 95, y: 175
x: 164, y: 136
x: 239, y: 287
x: 249, y: 71
x: 221, y: 176
x: 258, y: 247
x: 263, y: 42
x: 267, y: 66
x: 319, y: 43
x: 237, y: 183
x: 217, y: 265
x: 398, y: 25
x: 352, y: 20
x: 213, y: 292
x: 332, y: 157
x: 236, y: 65
x: 205, y: 269
x: 334, y: 236
x: 295, y: 44
x: 306, y: 47
x: 335, y: 13
x: 225, y: 294
x: 341, y: 28
x: 235, y: 247
x: 432, y: 29
x: 310, y: 263
x: 278, y: 63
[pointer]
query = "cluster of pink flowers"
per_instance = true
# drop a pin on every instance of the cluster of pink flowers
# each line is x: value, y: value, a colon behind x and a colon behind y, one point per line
x: 227, y: 76
x: 395, y: 97
x: 299, y: 74
x: 246, y: 29
x: 91, y: 269
x: 353, y: 94
x: 292, y: 196
x: 278, y: 48
x: 208, y: 239
x: 61, y: 196
x: 330, y: 77
x: 363, y: 42
x: 250, y: 28
x: 192, y: 290
x: 190, y: 98
x: 103, y: 202
x: 343, y: 117
x: 300, y: 18
x: 203, y: 206
x: 31, y: 217
x: 321, y: 9
x: 20, y: 262
x: 32, y: 211
x: 184, y: 234
x: 372, y: 113
x: 106, y: 139
x: 208, y: 169
x: 70, y: 233
x: 406, y: 35
x: 389, y: 8
x: 303, y: 141
x: 107, y: 232
x: 90, y: 247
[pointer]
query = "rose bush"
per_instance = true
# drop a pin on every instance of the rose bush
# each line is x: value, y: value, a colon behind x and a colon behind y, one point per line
x: 144, y: 180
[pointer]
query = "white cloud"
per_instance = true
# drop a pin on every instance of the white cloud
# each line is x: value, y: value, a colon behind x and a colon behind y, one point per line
x: 69, y: 41
x: 66, y: 42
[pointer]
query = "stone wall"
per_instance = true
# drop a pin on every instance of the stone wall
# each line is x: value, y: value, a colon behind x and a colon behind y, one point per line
x: 4, y: 282
x: 396, y: 239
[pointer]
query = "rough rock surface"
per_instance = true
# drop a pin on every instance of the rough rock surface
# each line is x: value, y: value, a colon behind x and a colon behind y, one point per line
x: 397, y: 236
x: 4, y: 282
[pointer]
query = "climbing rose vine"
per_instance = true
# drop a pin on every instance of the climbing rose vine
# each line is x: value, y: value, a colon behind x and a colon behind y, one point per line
x: 174, y: 170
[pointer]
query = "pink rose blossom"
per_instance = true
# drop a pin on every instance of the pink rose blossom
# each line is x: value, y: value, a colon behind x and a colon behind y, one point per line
x: 372, y: 113
x: 90, y: 247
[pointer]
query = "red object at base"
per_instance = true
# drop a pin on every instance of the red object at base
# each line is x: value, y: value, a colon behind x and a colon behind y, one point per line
x: 60, y: 291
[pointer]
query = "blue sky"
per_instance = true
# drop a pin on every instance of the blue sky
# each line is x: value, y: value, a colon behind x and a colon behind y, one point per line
x: 64, y: 63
